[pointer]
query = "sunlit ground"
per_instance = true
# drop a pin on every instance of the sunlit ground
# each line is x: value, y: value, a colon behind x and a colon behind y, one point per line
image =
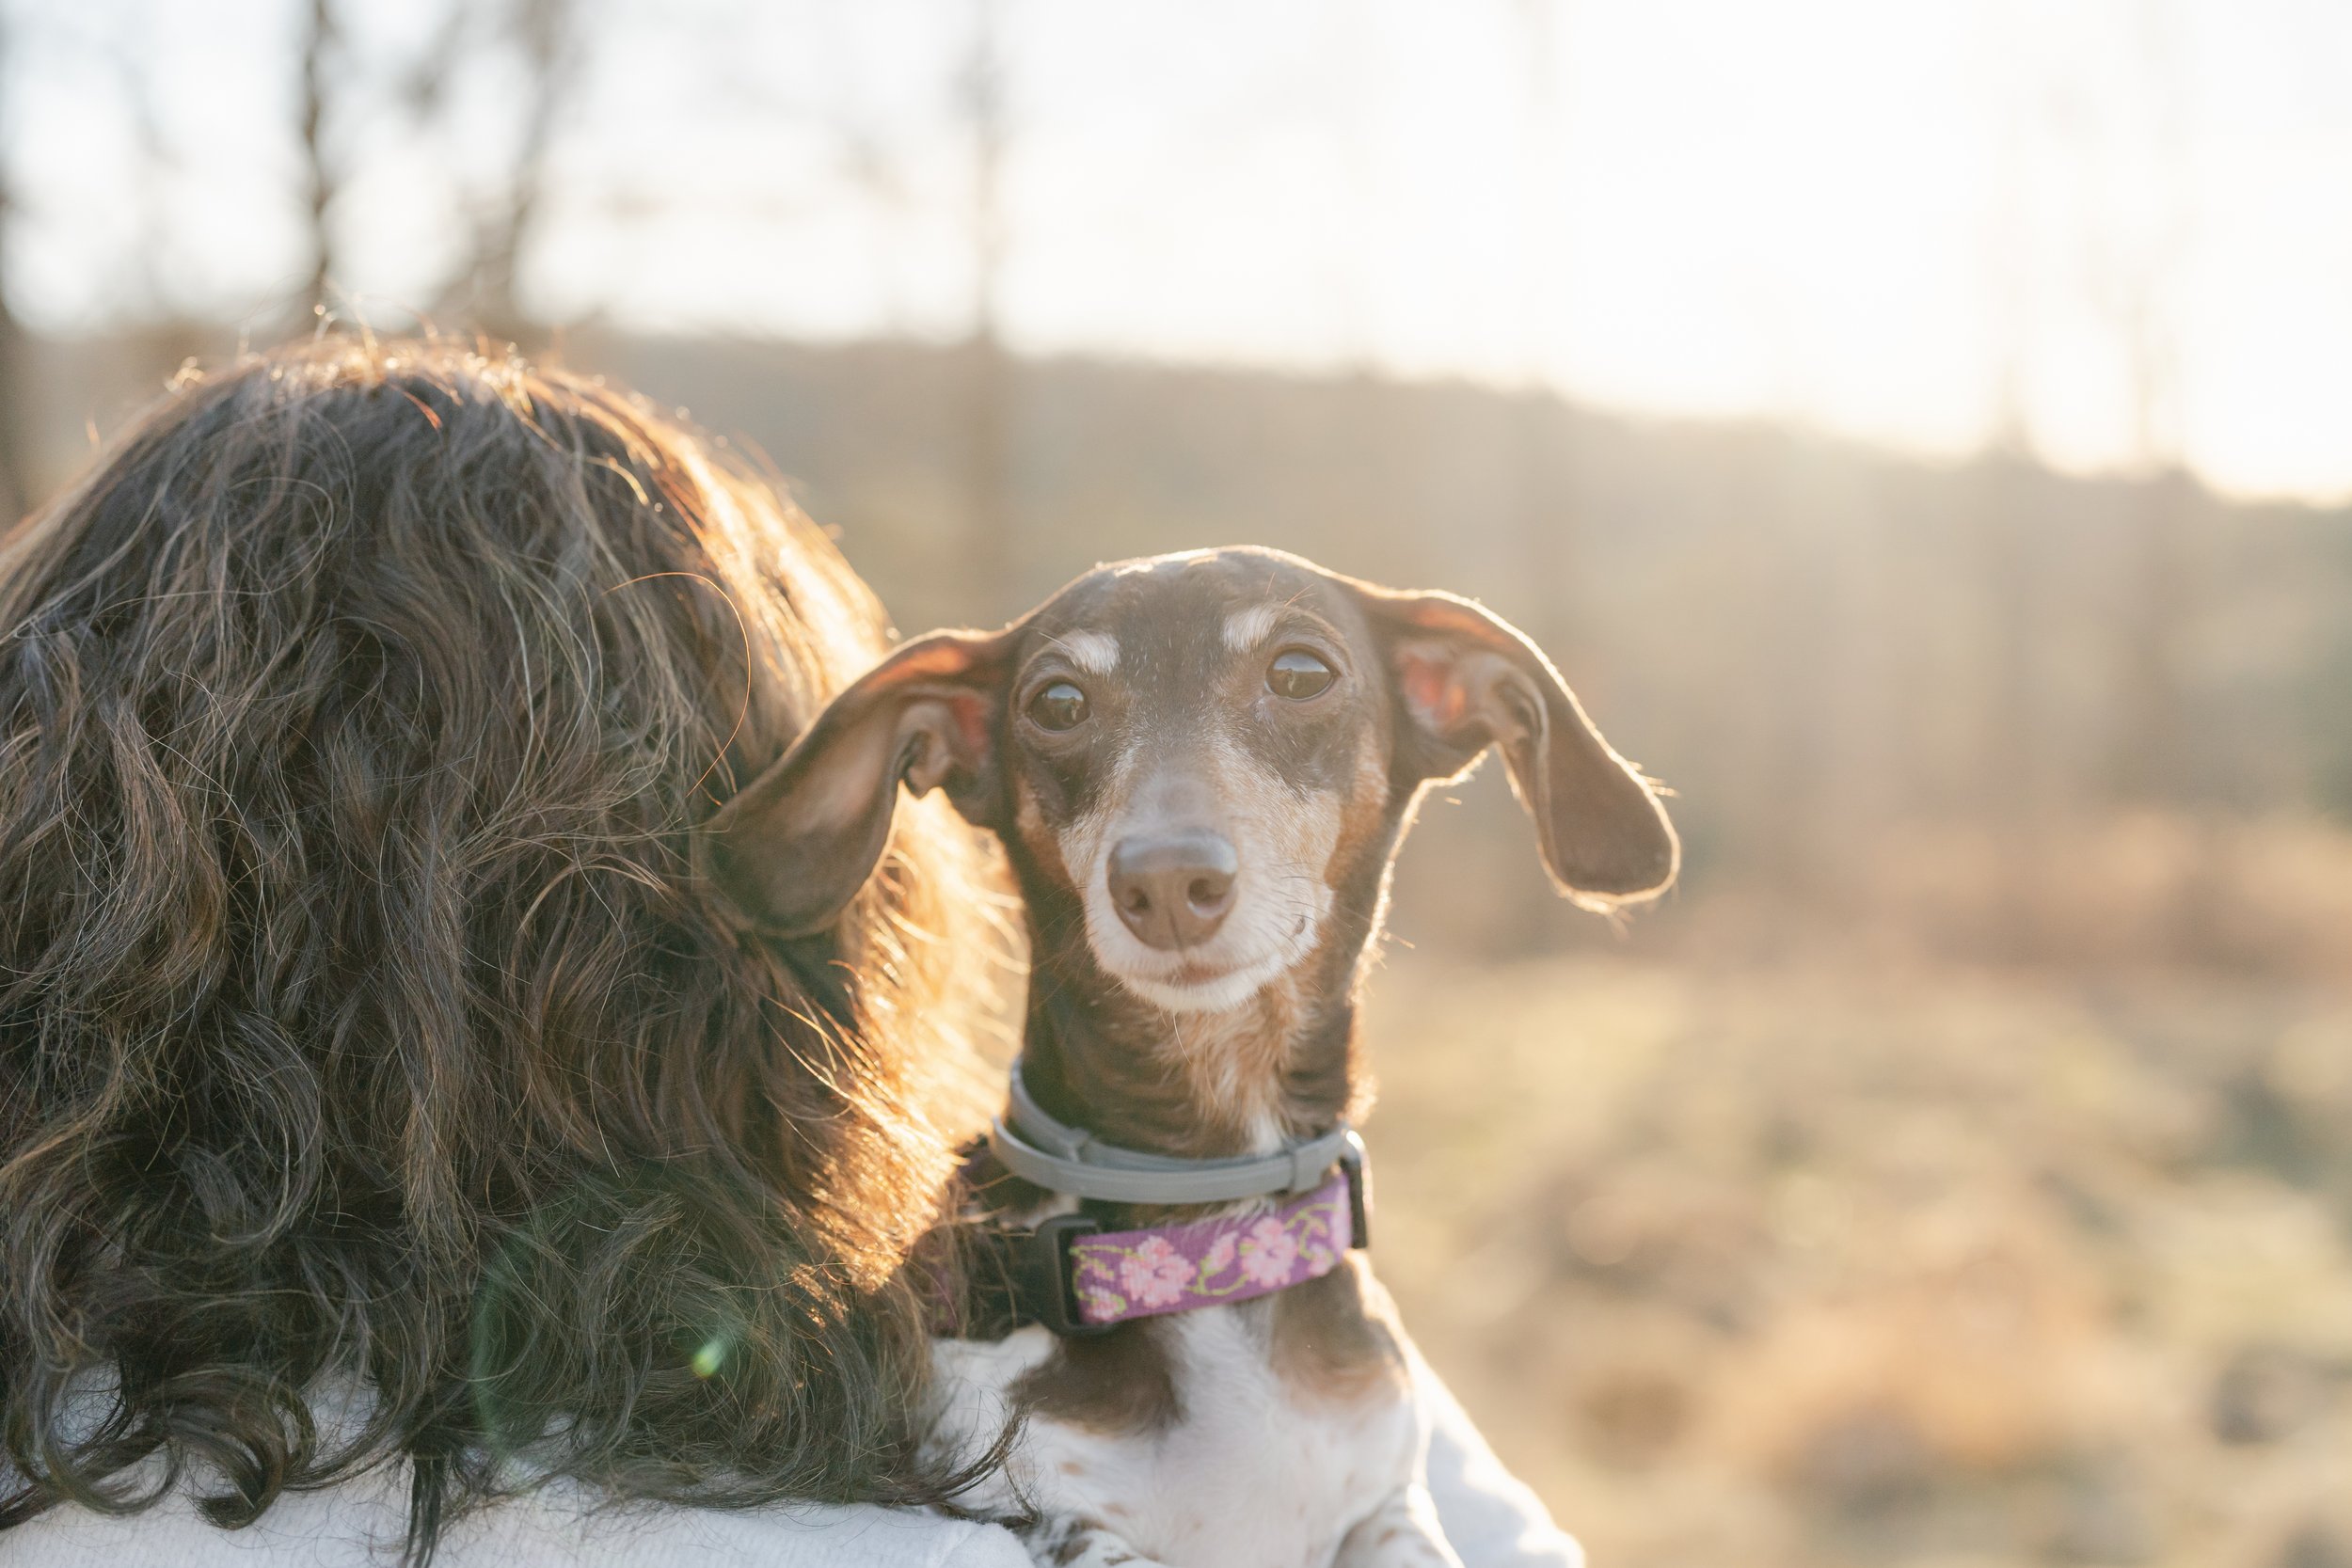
x: 1823, y: 1262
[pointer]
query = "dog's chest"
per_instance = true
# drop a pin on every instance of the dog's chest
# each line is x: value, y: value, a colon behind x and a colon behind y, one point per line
x: 1255, y: 1472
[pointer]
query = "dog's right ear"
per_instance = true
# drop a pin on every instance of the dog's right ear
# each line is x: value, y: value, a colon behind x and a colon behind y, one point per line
x: 1465, y: 680
x: 793, y: 847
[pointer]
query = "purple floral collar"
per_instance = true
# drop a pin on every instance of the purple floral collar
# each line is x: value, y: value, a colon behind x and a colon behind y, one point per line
x: 1076, y: 1278
x: 1118, y: 1275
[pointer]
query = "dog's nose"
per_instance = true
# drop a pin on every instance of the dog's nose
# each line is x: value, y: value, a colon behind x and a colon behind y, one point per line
x: 1174, y: 891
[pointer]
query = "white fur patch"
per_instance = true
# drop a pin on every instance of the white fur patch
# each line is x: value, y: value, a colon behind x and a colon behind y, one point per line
x: 1222, y: 994
x: 1258, y: 1474
x: 1095, y: 652
x: 1246, y: 629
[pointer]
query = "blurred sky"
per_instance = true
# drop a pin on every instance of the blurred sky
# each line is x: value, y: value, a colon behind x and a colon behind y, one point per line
x: 2121, y: 226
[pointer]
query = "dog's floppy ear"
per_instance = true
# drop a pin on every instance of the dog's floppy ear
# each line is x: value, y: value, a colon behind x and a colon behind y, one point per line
x: 1465, y: 680
x: 793, y: 847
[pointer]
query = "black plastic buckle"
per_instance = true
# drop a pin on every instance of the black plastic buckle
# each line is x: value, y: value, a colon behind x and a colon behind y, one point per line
x: 1052, y: 1299
x: 1358, y: 1193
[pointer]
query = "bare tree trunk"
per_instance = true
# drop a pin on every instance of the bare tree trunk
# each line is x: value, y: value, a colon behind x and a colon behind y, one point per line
x: 318, y: 39
x: 16, y: 477
x: 2013, y: 773
x: 2152, y: 752
x: 2010, y: 780
x: 16, y: 485
x: 1546, y: 522
x: 545, y: 35
x: 991, y: 535
x: 2152, y: 756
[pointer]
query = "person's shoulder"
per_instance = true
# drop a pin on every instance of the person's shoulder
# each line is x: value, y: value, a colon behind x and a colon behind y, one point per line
x: 360, y: 1524
x: 799, y: 1537
x: 806, y: 1537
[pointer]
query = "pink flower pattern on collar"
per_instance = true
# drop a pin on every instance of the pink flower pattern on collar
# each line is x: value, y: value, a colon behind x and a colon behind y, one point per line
x: 1155, y: 1273
x: 1121, y: 1275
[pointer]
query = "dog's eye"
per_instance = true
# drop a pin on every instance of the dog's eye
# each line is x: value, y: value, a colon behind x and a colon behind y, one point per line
x: 1059, y: 706
x: 1299, y: 674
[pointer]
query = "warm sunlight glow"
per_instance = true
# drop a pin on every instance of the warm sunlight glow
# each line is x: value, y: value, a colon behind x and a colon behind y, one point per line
x: 2115, y: 227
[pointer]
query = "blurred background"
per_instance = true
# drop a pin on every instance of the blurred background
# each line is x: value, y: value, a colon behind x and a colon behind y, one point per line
x: 1922, y: 431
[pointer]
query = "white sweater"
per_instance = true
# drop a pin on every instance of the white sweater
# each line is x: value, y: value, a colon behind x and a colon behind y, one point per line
x: 1492, y: 1520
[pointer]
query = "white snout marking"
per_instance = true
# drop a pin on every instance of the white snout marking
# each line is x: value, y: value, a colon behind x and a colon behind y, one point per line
x: 1246, y: 629
x: 1094, y: 652
x: 1282, y: 897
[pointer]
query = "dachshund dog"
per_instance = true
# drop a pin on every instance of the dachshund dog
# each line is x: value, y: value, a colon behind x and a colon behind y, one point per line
x: 1201, y: 767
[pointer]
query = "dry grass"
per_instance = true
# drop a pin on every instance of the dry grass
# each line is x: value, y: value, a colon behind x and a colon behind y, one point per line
x: 1822, y: 1264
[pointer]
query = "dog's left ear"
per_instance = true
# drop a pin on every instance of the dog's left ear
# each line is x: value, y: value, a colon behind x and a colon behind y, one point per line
x: 1465, y: 680
x: 793, y: 847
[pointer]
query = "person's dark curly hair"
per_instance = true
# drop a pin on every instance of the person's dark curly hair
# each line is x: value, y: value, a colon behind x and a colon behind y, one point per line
x: 362, y: 1025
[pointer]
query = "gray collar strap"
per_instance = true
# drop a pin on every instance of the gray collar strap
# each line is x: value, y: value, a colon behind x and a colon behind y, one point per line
x: 1064, y: 1159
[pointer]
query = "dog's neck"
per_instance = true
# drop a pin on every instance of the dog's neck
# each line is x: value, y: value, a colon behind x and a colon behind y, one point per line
x: 1278, y: 1068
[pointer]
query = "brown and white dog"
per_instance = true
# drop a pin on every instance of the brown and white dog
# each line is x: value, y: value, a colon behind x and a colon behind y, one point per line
x: 1201, y: 767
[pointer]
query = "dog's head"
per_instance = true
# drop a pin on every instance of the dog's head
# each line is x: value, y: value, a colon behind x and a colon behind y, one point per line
x: 1202, y: 761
